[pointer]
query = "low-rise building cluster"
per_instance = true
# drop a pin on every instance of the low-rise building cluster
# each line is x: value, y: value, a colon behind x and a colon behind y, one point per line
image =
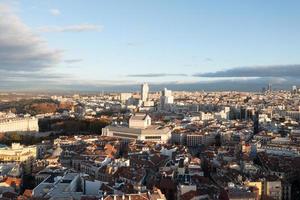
x: 167, y: 145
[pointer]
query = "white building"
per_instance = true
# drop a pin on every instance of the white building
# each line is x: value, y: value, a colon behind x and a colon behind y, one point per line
x: 144, y: 92
x: 139, y: 128
x: 19, y: 154
x: 223, y: 114
x: 166, y: 99
x: 26, y: 124
x: 263, y: 118
x: 206, y: 116
x: 193, y: 139
x: 281, y: 150
x: 124, y: 97
x: 294, y: 89
x: 139, y: 120
x: 68, y: 186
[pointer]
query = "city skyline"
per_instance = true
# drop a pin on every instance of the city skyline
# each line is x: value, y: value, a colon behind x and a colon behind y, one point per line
x: 149, y: 99
x: 100, y: 45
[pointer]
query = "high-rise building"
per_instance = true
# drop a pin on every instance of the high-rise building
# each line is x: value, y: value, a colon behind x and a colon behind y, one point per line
x: 269, y: 87
x: 144, y: 92
x: 166, y: 98
x: 294, y: 89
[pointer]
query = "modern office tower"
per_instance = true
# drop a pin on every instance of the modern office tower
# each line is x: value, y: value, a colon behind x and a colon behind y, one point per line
x: 294, y: 89
x: 144, y: 92
x: 270, y: 87
x: 166, y: 98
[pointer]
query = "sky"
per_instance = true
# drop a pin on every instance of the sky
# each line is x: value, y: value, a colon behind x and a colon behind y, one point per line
x: 100, y: 44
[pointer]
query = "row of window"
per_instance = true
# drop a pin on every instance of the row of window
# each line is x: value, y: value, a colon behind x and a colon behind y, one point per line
x: 125, y: 135
x: 153, y: 137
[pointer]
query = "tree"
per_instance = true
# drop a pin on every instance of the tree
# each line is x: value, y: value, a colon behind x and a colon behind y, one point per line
x: 15, y: 137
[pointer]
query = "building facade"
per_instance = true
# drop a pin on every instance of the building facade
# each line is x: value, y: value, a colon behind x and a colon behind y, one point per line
x: 144, y: 92
x: 139, y: 128
x: 26, y: 124
x: 19, y: 154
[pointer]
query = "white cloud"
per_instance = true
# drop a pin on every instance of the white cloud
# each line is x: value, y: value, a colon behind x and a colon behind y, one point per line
x: 20, y: 48
x: 71, y: 28
x: 54, y: 12
x: 25, y: 59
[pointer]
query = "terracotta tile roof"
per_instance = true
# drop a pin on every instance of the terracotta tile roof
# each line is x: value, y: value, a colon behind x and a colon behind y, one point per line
x: 27, y: 193
x: 13, y: 181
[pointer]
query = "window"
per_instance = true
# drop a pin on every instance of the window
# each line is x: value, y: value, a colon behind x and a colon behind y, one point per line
x: 153, y: 137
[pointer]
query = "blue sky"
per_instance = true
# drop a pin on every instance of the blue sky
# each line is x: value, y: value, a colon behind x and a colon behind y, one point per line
x: 161, y: 40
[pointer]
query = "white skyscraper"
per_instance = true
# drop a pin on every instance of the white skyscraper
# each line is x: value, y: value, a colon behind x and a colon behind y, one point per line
x: 144, y: 92
x: 294, y: 89
x: 166, y: 98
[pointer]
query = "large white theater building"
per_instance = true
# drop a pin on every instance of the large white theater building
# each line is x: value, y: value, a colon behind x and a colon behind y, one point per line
x: 140, y: 128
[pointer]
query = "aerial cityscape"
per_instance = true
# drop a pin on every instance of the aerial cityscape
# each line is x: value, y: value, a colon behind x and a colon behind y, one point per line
x: 149, y: 100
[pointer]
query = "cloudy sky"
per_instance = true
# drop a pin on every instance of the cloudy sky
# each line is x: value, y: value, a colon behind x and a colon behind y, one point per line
x: 56, y: 44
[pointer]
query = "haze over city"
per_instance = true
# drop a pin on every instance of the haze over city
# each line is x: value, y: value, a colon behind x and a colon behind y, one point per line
x: 149, y: 100
x: 117, y: 45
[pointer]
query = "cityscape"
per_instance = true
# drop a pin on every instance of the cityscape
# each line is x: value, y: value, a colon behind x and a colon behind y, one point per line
x: 149, y: 100
x: 151, y: 145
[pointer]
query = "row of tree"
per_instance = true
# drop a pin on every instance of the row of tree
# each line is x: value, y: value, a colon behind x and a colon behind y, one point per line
x: 28, y: 139
x: 34, y: 106
x: 73, y: 125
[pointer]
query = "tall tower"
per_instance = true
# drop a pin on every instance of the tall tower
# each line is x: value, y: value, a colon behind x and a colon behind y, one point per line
x: 166, y: 98
x: 294, y: 89
x: 144, y: 92
x: 270, y: 87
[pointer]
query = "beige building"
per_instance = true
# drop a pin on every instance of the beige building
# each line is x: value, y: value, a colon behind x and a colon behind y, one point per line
x: 139, y: 120
x: 195, y: 139
x: 26, y: 124
x: 125, y: 96
x: 19, y: 154
x: 258, y: 185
